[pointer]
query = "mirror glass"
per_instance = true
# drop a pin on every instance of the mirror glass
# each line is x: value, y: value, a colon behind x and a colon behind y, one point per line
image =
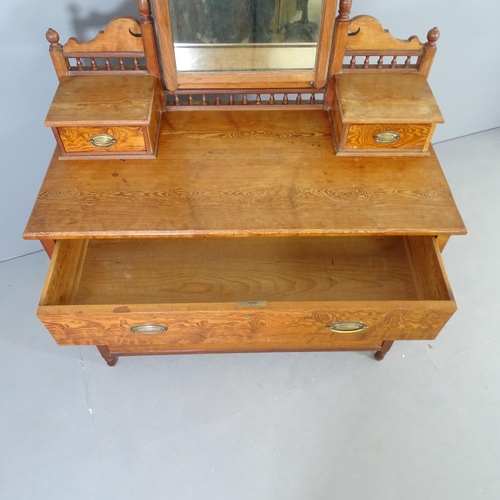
x: 245, y: 35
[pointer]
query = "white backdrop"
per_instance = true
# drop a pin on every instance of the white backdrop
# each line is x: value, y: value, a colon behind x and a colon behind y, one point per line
x: 465, y: 80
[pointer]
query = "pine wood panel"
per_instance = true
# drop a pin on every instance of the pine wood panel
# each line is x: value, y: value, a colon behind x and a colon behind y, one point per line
x: 386, y: 98
x: 103, y: 100
x: 184, y: 270
x: 304, y: 326
x: 412, y: 136
x: 77, y: 139
x: 371, y: 35
x: 244, y: 173
x: 117, y: 37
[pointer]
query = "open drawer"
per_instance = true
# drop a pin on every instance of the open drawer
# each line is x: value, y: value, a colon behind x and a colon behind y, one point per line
x: 245, y: 294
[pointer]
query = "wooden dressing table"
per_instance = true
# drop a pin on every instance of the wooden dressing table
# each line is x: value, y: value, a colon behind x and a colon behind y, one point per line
x: 246, y: 233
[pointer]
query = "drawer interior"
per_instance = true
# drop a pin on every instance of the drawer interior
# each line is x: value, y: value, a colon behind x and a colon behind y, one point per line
x: 211, y: 270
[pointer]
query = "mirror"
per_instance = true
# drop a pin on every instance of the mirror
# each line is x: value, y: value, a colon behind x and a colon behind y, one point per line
x: 245, y: 35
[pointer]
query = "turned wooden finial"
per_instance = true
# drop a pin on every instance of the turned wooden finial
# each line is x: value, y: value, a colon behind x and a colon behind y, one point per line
x: 52, y: 36
x: 61, y: 64
x: 145, y: 11
x: 344, y: 10
x: 433, y: 37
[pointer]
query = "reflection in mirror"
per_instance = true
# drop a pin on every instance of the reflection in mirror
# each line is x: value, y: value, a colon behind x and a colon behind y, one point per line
x: 245, y: 35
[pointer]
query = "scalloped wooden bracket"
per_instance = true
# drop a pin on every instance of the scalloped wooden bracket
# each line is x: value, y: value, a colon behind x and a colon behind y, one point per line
x: 366, y: 33
x: 120, y: 35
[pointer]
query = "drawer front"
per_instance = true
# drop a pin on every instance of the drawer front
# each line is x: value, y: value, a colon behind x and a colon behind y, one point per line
x: 265, y: 330
x: 102, y: 140
x: 380, y: 137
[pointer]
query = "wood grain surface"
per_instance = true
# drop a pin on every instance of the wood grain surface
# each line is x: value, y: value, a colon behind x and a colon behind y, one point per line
x: 372, y: 36
x: 303, y: 326
x: 77, y: 139
x: 412, y: 136
x: 103, y: 100
x: 244, y: 173
x: 117, y: 37
x: 183, y: 270
x: 386, y: 98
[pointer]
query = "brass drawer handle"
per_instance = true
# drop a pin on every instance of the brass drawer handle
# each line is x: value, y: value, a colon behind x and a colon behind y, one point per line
x: 102, y: 141
x: 148, y: 329
x: 347, y: 326
x: 387, y: 137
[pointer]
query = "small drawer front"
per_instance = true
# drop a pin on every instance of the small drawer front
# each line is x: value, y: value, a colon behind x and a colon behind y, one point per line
x: 389, y: 137
x: 102, y: 140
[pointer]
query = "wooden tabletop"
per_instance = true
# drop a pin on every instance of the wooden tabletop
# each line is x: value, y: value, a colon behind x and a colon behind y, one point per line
x: 102, y: 99
x: 386, y: 98
x: 254, y: 172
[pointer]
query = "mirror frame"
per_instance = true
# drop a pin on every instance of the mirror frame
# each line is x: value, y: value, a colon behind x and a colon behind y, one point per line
x: 296, y: 79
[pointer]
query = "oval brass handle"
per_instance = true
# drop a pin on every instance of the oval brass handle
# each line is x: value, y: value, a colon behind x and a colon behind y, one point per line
x: 102, y: 141
x: 387, y: 137
x: 148, y: 329
x: 347, y: 326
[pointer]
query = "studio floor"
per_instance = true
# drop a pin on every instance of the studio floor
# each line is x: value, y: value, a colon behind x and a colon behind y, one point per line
x: 423, y: 424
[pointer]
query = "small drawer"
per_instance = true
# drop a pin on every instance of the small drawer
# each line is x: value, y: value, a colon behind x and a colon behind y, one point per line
x: 389, y: 137
x: 102, y: 140
x: 106, y: 117
x: 383, y: 114
x: 245, y: 294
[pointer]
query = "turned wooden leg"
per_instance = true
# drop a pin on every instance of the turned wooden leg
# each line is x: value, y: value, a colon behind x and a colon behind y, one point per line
x: 108, y: 357
x: 386, y: 345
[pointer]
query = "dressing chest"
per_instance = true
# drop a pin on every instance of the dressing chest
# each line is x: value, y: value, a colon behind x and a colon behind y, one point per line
x: 240, y: 229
